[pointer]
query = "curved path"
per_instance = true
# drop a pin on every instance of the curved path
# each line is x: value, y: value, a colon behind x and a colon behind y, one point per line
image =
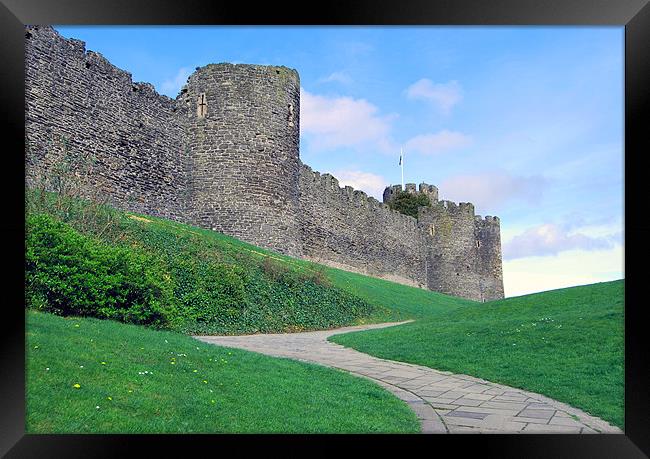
x: 444, y: 402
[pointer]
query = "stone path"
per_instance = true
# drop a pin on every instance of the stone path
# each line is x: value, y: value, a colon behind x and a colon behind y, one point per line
x: 444, y: 402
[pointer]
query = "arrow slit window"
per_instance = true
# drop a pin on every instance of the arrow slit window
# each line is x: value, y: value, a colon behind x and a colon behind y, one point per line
x: 201, y: 106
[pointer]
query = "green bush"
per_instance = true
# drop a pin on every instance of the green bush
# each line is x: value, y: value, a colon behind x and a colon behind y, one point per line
x: 68, y: 273
x: 408, y: 203
x: 209, y: 292
x: 170, y: 275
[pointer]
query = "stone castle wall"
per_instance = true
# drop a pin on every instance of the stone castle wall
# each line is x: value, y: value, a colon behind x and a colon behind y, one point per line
x: 224, y: 155
x: 345, y: 228
x: 76, y: 99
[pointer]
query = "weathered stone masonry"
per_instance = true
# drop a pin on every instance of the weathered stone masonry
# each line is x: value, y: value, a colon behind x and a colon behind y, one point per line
x: 345, y: 228
x: 244, y: 152
x: 79, y: 98
x: 225, y: 155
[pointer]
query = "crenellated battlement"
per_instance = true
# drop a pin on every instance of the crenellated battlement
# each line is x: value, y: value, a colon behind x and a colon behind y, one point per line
x: 451, y: 207
x: 424, y: 188
x: 332, y: 190
x: 224, y: 155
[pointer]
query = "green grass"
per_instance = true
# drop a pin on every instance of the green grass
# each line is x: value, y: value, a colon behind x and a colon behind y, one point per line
x: 99, y: 262
x: 208, y: 389
x: 280, y: 294
x: 397, y: 301
x: 567, y: 344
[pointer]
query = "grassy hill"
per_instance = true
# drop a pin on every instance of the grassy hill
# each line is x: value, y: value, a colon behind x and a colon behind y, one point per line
x: 88, y: 260
x: 567, y: 344
x: 100, y: 376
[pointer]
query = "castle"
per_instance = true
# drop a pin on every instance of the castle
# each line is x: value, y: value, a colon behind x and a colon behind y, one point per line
x: 224, y: 155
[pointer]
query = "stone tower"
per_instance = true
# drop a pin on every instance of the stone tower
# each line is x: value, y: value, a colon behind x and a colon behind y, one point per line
x: 452, y: 266
x: 243, y: 138
x: 463, y: 254
x: 489, y: 264
x: 430, y: 190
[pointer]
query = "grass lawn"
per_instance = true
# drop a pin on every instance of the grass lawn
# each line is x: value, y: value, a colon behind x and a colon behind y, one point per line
x: 395, y: 301
x: 567, y: 344
x: 100, y: 376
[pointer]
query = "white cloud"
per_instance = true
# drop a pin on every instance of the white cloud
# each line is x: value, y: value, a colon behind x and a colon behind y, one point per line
x: 371, y: 183
x: 550, y: 239
x: 443, y: 95
x: 172, y: 86
x: 430, y: 144
x: 576, y: 267
x: 336, y: 77
x: 490, y: 190
x: 330, y: 122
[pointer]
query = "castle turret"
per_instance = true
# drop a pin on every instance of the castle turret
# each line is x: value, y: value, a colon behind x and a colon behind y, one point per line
x: 452, y: 267
x: 243, y: 138
x: 424, y: 188
x: 431, y: 191
x: 390, y: 192
x: 489, y: 266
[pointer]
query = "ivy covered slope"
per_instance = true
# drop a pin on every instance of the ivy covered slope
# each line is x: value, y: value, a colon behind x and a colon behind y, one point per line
x: 85, y: 259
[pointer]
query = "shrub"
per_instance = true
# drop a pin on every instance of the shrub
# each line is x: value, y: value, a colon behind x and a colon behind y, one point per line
x: 274, y: 271
x: 169, y: 275
x: 317, y: 276
x: 68, y: 273
x: 211, y: 293
x: 409, y: 203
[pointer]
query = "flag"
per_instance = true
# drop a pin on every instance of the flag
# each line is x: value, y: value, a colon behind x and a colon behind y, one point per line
x: 400, y: 159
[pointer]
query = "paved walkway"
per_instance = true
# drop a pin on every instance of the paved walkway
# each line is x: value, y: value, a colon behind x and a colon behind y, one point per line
x: 444, y: 402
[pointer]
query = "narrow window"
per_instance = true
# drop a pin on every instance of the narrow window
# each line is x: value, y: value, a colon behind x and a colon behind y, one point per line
x: 202, y: 106
x: 478, y: 244
x: 291, y: 115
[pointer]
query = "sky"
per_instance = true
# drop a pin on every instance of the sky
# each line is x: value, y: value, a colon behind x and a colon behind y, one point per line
x: 525, y: 122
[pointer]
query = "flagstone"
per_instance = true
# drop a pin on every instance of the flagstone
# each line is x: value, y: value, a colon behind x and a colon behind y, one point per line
x: 444, y: 402
x: 540, y: 414
x: 545, y: 428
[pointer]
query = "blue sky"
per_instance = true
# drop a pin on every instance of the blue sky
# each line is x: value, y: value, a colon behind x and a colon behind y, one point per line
x: 525, y: 122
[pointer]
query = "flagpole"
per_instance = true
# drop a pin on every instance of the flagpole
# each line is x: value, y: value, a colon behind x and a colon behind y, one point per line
x: 401, y: 162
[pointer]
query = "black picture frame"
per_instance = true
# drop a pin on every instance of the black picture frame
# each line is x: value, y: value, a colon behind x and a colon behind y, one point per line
x: 634, y: 15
